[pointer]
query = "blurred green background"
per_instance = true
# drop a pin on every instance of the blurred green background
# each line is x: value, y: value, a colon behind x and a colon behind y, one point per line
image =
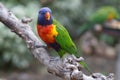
x: 79, y: 17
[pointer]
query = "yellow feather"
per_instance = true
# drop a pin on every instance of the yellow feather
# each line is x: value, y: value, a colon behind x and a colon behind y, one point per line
x: 54, y: 32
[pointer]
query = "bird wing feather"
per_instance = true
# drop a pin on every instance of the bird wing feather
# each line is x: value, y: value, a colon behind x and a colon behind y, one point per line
x: 63, y: 39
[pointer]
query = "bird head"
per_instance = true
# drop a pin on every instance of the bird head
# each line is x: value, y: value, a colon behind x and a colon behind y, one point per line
x: 45, y: 16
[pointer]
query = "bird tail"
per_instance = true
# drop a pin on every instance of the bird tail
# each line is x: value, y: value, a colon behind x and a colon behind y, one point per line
x: 83, y: 63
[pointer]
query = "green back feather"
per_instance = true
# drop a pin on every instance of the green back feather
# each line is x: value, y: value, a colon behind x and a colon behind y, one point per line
x: 64, y: 40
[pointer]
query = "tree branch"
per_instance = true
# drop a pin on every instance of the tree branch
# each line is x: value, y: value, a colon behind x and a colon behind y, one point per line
x: 67, y: 68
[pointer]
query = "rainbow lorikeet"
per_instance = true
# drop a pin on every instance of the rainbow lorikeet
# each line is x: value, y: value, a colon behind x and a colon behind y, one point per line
x: 100, y: 16
x: 54, y: 34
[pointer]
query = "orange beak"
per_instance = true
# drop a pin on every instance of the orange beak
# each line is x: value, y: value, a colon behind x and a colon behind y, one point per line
x: 47, y: 16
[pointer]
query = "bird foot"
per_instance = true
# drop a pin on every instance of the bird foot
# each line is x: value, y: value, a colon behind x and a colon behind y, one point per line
x: 39, y: 46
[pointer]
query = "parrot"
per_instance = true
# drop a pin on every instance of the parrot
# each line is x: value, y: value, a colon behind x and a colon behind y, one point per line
x: 55, y: 35
x: 103, y: 14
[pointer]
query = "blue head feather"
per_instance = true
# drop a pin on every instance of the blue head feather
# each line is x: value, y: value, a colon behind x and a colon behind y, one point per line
x: 41, y: 16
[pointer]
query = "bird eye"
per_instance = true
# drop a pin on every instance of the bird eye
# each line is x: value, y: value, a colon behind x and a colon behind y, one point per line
x: 40, y: 12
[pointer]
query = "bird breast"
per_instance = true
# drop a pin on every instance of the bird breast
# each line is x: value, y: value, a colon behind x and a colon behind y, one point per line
x: 47, y: 33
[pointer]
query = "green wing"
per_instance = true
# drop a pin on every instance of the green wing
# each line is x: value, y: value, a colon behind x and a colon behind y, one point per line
x: 64, y: 40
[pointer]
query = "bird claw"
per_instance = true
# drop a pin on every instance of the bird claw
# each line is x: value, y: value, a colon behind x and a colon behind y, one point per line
x: 39, y: 46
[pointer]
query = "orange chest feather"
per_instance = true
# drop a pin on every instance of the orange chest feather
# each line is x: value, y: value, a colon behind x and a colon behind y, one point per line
x: 47, y: 33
